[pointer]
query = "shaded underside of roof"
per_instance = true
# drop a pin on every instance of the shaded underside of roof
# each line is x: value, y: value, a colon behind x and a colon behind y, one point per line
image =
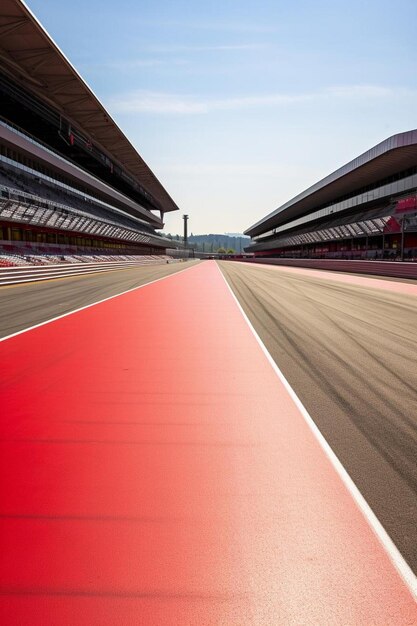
x: 395, y: 154
x: 29, y: 54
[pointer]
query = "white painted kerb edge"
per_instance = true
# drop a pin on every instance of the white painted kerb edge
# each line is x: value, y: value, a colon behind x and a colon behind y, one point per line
x: 389, y: 546
x: 87, y: 306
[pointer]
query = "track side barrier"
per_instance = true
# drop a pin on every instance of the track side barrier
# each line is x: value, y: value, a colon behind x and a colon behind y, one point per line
x: 379, y: 268
x: 26, y: 274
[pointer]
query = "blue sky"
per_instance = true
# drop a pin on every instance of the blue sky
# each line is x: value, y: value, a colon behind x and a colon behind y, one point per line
x: 237, y: 106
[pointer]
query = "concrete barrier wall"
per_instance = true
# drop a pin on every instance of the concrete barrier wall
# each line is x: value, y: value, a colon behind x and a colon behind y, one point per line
x: 379, y: 268
x: 30, y: 273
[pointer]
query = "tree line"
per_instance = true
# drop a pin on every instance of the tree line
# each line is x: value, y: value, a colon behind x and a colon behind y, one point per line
x: 223, y: 244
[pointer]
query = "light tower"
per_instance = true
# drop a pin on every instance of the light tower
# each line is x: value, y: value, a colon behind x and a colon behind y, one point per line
x: 185, y: 218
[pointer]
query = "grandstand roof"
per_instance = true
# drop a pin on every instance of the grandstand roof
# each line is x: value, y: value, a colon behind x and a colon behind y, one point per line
x: 391, y: 156
x: 29, y: 53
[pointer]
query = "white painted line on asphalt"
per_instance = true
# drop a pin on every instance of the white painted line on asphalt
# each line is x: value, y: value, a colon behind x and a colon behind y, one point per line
x: 391, y: 549
x: 87, y: 306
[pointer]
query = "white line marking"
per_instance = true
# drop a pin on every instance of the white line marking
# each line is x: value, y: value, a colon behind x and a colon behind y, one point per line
x: 391, y: 549
x: 87, y: 306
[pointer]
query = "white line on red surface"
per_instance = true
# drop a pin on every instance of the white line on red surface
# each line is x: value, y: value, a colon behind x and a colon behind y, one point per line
x: 87, y: 306
x: 394, y: 554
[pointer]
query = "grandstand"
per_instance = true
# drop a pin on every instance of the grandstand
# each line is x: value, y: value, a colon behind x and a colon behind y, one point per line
x: 367, y: 209
x: 71, y: 183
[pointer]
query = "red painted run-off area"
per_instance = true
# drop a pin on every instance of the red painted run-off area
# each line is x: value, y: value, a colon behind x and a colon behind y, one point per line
x: 155, y: 471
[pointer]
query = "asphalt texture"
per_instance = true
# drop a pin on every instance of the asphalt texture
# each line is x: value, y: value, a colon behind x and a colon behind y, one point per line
x: 23, y: 306
x: 157, y: 472
x: 349, y: 352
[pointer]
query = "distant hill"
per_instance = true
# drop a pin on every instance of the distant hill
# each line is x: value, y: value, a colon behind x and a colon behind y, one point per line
x: 212, y: 242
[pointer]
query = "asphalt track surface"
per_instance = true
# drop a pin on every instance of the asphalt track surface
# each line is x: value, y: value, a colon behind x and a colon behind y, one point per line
x: 22, y: 306
x: 154, y: 470
x: 348, y: 345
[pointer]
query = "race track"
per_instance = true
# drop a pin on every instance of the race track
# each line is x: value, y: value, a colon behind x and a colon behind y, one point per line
x: 25, y: 305
x: 156, y: 469
x: 347, y: 345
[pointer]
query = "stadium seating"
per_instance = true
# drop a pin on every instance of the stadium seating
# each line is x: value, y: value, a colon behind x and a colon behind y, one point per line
x: 15, y: 180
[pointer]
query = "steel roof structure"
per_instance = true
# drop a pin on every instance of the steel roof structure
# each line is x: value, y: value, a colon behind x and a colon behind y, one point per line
x: 395, y: 154
x: 31, y: 56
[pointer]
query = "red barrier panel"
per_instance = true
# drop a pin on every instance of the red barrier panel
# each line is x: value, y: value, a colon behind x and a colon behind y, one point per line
x: 379, y: 268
